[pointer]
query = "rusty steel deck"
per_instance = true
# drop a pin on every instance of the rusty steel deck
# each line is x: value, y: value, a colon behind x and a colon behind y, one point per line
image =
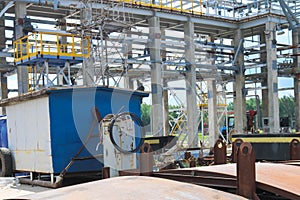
x: 134, y: 187
x: 281, y: 179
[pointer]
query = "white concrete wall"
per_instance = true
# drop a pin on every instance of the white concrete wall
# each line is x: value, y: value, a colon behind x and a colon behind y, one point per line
x: 29, y: 135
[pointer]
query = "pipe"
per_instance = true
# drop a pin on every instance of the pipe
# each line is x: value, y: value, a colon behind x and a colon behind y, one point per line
x: 48, y: 184
x: 8, y: 6
x: 45, y: 2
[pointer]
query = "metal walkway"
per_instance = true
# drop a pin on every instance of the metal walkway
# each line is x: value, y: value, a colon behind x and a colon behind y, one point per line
x: 57, y: 48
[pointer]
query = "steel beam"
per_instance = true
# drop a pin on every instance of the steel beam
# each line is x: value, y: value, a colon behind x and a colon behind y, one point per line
x: 209, y: 181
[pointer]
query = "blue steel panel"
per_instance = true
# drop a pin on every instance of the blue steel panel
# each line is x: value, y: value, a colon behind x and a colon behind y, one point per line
x: 3, y: 132
x: 71, y: 120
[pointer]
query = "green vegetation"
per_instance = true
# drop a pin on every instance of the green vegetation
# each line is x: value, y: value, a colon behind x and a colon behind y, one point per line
x: 286, y: 109
x: 286, y: 106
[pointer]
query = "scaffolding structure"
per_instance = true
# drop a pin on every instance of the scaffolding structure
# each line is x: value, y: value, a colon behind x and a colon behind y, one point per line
x: 129, y: 43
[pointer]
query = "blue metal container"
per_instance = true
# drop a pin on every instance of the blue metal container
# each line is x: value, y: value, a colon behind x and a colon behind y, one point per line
x: 57, y: 122
x: 3, y: 132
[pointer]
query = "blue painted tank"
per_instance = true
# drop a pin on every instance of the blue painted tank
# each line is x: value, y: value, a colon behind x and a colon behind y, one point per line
x: 3, y: 132
x: 48, y: 127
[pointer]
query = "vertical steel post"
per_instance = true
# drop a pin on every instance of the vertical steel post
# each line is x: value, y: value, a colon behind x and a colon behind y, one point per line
x: 220, y: 153
x: 146, y: 160
x: 295, y: 150
x: 105, y: 172
x: 235, y: 146
x: 246, y: 171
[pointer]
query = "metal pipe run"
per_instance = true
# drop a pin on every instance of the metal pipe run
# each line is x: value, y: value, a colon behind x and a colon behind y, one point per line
x: 48, y: 184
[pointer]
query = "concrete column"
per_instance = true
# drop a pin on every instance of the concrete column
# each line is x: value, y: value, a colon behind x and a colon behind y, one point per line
x: 212, y: 112
x: 128, y: 55
x: 264, y: 83
x: 296, y: 40
x: 165, y: 91
x: 20, y: 12
x: 4, y: 90
x: 88, y: 72
x: 240, y: 121
x: 190, y: 79
x: 3, y: 86
x: 63, y: 40
x: 272, y: 78
x: 156, y: 76
x: 297, y: 99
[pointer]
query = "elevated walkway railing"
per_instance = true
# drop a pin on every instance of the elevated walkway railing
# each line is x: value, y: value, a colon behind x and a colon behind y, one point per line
x: 227, y: 9
x: 56, y: 45
x: 190, y: 6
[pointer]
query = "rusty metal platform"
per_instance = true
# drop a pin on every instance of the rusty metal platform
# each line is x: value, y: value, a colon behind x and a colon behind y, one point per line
x: 281, y: 179
x: 134, y: 187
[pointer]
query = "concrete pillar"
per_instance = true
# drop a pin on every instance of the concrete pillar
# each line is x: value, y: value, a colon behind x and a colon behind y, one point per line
x: 264, y: 83
x: 273, y: 106
x: 165, y: 91
x: 20, y: 12
x: 156, y: 76
x: 190, y: 79
x: 240, y: 121
x: 128, y: 54
x: 296, y: 40
x: 4, y: 90
x: 88, y: 72
x: 212, y: 112
x: 63, y: 40
x: 3, y: 81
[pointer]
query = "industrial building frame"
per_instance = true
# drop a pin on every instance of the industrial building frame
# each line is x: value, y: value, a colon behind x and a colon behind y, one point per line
x: 133, y: 42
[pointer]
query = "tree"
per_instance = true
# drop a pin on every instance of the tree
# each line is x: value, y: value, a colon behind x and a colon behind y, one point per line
x: 287, y: 107
x: 251, y: 104
x: 145, y: 110
x: 230, y: 106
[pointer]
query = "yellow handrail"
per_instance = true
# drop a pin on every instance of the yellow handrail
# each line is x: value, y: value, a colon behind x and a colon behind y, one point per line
x: 49, y: 43
x: 186, y: 6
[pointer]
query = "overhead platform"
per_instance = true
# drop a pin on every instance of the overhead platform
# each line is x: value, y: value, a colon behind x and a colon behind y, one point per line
x: 55, y: 48
x: 280, y: 179
x: 134, y: 187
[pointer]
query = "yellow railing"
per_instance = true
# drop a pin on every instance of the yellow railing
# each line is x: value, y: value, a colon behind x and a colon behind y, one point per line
x: 186, y: 6
x: 51, y: 44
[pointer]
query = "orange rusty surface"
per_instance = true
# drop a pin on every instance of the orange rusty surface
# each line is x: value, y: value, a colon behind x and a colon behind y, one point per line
x: 282, y: 176
x: 134, y: 187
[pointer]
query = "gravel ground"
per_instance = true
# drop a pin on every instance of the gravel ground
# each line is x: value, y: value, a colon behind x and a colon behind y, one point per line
x: 7, y: 192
